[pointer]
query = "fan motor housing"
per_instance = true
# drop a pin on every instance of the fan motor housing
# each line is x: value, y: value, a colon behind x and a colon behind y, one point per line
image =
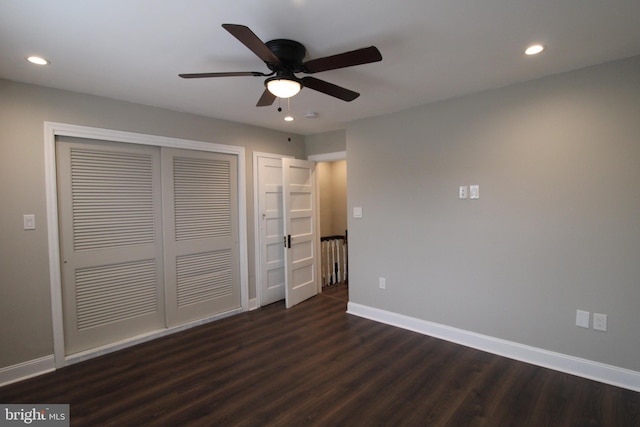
x: 289, y: 52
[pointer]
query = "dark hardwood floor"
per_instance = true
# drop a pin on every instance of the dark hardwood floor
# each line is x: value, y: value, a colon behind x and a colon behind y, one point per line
x: 316, y: 365
x: 339, y: 291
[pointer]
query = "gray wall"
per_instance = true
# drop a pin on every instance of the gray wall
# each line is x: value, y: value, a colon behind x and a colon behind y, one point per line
x: 25, y: 307
x: 556, y: 228
x: 327, y: 142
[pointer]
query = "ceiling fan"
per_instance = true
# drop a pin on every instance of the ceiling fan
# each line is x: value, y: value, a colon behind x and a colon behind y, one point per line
x: 285, y: 58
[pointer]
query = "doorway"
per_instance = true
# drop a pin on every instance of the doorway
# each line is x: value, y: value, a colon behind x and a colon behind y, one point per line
x: 287, y: 243
x: 270, y: 229
x: 332, y: 189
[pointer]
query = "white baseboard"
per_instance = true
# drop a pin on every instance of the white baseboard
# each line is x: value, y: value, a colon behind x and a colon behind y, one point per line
x: 36, y: 367
x: 601, y: 372
x: 22, y: 371
x: 253, y: 304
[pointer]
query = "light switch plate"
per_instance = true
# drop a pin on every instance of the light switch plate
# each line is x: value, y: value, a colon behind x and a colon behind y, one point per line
x: 357, y: 212
x: 29, y: 222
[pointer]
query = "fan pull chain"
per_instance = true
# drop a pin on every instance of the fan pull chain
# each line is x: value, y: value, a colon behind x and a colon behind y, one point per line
x: 289, y: 117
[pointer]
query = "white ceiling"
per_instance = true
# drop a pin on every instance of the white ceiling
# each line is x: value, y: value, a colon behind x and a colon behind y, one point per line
x: 133, y: 50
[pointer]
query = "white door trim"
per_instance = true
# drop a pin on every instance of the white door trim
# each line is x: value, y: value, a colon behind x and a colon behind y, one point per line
x: 51, y: 130
x: 326, y: 157
x: 256, y: 224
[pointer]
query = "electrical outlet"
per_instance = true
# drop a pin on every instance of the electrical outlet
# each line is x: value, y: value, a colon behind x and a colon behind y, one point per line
x: 463, y: 192
x: 474, y: 191
x: 382, y: 283
x: 599, y: 322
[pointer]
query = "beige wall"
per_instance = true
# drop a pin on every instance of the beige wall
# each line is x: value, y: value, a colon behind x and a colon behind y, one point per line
x: 25, y: 306
x: 556, y: 227
x: 339, y: 196
x: 323, y: 175
x: 332, y: 185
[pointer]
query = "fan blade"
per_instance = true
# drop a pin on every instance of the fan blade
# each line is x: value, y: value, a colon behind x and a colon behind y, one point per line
x: 329, y: 89
x: 230, y: 74
x: 347, y: 59
x: 250, y: 40
x: 266, y: 99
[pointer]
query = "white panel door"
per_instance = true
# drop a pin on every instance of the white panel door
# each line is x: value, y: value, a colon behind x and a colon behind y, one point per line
x: 271, y: 230
x: 110, y: 241
x: 299, y: 230
x: 201, y: 257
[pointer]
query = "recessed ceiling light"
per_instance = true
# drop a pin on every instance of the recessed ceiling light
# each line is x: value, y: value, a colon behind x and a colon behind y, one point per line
x: 38, y: 60
x: 288, y: 119
x: 311, y: 115
x: 534, y: 49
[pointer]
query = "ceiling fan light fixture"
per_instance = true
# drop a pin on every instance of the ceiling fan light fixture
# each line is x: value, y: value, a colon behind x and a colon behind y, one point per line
x: 283, y: 88
x: 284, y: 57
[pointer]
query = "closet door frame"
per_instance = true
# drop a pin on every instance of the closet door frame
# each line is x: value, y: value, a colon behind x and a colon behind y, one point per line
x: 53, y: 130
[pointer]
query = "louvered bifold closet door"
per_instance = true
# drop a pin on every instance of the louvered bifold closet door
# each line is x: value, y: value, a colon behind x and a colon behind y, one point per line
x: 200, y: 211
x: 109, y: 200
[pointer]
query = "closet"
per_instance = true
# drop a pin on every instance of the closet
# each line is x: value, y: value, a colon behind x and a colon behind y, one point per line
x: 148, y: 238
